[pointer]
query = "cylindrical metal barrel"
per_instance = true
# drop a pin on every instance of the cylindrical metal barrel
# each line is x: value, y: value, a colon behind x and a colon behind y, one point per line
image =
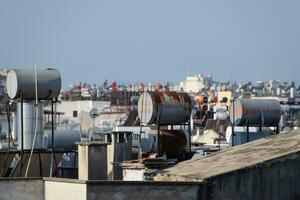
x: 63, y: 139
x: 29, y: 121
x: 164, y: 108
x: 292, y: 92
x: 15, y: 126
x: 240, y: 134
x: 172, y: 141
x: 134, y: 100
x: 255, y: 112
x: 4, y: 146
x: 220, y: 112
x: 23, y: 81
x: 290, y: 108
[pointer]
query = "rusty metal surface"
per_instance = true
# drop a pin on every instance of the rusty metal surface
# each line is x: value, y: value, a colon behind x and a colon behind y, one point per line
x: 164, y: 107
x: 255, y: 112
x: 172, y: 141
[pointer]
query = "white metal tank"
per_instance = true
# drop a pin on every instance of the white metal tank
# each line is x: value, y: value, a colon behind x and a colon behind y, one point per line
x: 220, y: 112
x: 278, y: 92
x: 29, y: 120
x: 241, y: 134
x: 23, y: 81
x: 63, y: 139
x: 15, y: 126
x: 292, y: 92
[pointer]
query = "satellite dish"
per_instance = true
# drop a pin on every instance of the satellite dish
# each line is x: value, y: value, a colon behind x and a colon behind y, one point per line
x: 94, y: 113
x: 297, y: 115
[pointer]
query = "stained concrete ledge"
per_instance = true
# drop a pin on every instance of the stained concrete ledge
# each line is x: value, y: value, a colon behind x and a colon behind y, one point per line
x: 22, y: 188
x: 115, y: 190
x: 71, y: 189
x: 104, y: 182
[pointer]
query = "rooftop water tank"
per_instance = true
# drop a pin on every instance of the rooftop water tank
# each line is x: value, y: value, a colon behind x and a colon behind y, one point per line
x: 241, y: 134
x: 172, y: 141
x: 31, y: 115
x: 63, y: 139
x: 164, y: 107
x: 255, y: 112
x: 23, y: 81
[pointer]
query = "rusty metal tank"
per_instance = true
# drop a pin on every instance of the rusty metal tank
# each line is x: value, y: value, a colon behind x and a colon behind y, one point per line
x: 164, y: 108
x: 172, y: 141
x: 255, y: 112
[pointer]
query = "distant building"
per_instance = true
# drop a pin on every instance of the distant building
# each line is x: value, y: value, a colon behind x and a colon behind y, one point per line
x: 71, y: 109
x: 225, y: 94
x: 193, y: 84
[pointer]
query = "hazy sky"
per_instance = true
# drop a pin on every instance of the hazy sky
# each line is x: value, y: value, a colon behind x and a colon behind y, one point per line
x: 154, y: 40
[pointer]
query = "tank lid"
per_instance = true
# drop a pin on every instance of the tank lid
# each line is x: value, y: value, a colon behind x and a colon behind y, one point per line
x: 12, y: 84
x: 146, y: 108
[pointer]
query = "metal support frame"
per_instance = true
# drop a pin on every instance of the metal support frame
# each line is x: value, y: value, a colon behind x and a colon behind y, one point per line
x: 52, y: 139
x: 37, y: 152
x: 40, y: 164
x: 158, y: 139
x: 9, y: 137
x: 232, y: 125
x: 248, y: 136
x: 190, y: 135
x: 53, y: 160
x: 22, y: 135
x: 219, y: 137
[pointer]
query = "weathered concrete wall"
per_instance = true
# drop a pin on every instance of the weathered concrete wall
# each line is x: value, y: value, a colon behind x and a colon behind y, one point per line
x: 144, y: 190
x: 70, y: 190
x: 273, y: 180
x: 21, y: 189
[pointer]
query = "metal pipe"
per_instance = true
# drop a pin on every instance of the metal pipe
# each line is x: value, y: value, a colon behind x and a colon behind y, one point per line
x: 190, y: 136
x: 52, y: 124
x: 248, y: 139
x: 158, y: 138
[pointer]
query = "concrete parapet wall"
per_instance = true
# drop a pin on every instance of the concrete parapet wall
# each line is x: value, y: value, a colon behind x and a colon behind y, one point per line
x: 55, y: 190
x: 144, y: 190
x: 114, y: 190
x: 22, y: 189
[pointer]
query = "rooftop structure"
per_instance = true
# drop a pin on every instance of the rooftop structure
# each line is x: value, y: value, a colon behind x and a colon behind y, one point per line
x: 233, y: 159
